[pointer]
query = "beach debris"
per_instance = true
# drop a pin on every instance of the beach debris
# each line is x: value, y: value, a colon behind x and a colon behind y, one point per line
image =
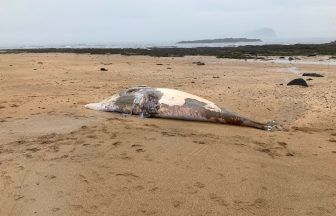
x: 109, y: 63
x: 103, y: 69
x: 298, y: 81
x: 312, y: 75
x: 199, y: 63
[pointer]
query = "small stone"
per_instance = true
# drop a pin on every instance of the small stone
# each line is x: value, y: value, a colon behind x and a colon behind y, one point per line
x: 199, y: 63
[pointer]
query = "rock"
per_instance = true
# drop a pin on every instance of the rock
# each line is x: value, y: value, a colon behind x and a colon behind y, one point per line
x: 291, y: 59
x: 103, y: 69
x: 199, y: 63
x: 299, y: 81
x: 312, y: 75
x: 309, y: 79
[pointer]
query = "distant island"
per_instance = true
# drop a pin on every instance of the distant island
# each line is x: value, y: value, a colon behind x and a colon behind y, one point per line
x: 223, y: 40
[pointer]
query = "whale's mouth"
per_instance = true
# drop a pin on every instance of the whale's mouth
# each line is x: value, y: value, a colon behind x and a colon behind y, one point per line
x: 96, y: 106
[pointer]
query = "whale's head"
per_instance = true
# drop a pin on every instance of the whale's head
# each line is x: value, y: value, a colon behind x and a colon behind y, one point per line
x: 122, y: 102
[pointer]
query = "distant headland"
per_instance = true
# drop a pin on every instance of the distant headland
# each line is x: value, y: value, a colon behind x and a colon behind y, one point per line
x: 223, y: 40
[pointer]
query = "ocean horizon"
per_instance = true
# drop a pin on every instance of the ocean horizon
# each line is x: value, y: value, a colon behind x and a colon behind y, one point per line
x: 167, y: 44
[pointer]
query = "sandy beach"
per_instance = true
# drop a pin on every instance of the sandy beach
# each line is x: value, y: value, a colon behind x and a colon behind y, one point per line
x: 58, y: 158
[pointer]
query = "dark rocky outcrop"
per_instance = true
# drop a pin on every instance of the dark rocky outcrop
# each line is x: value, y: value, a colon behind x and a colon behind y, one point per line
x: 241, y: 52
x: 299, y: 82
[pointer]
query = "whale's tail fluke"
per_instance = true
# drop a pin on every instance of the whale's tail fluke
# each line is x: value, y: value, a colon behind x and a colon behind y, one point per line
x: 269, y: 126
x: 235, y: 119
x: 272, y: 126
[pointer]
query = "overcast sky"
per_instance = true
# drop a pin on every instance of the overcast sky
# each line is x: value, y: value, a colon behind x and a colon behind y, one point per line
x: 98, y: 21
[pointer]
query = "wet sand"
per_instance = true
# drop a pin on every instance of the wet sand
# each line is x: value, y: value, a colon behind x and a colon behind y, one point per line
x: 57, y: 158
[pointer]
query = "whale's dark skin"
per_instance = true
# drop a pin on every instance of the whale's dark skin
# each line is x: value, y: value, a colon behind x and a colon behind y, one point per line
x: 173, y: 104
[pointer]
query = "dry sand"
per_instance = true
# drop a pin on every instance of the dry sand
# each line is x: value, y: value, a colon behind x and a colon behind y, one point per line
x: 57, y: 158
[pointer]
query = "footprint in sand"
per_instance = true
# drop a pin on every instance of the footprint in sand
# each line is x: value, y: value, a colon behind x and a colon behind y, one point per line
x: 259, y: 203
x: 139, y: 188
x: 18, y: 197
x: 33, y: 149
x: 128, y: 175
x: 92, y: 136
x: 113, y: 136
x: 83, y: 178
x: 50, y: 177
x: 117, y: 143
x: 199, y: 142
x: 124, y: 156
x: 55, y: 209
x: 177, y: 203
x: 199, y: 185
x: 283, y: 144
x: 136, y: 145
x: 218, y: 199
